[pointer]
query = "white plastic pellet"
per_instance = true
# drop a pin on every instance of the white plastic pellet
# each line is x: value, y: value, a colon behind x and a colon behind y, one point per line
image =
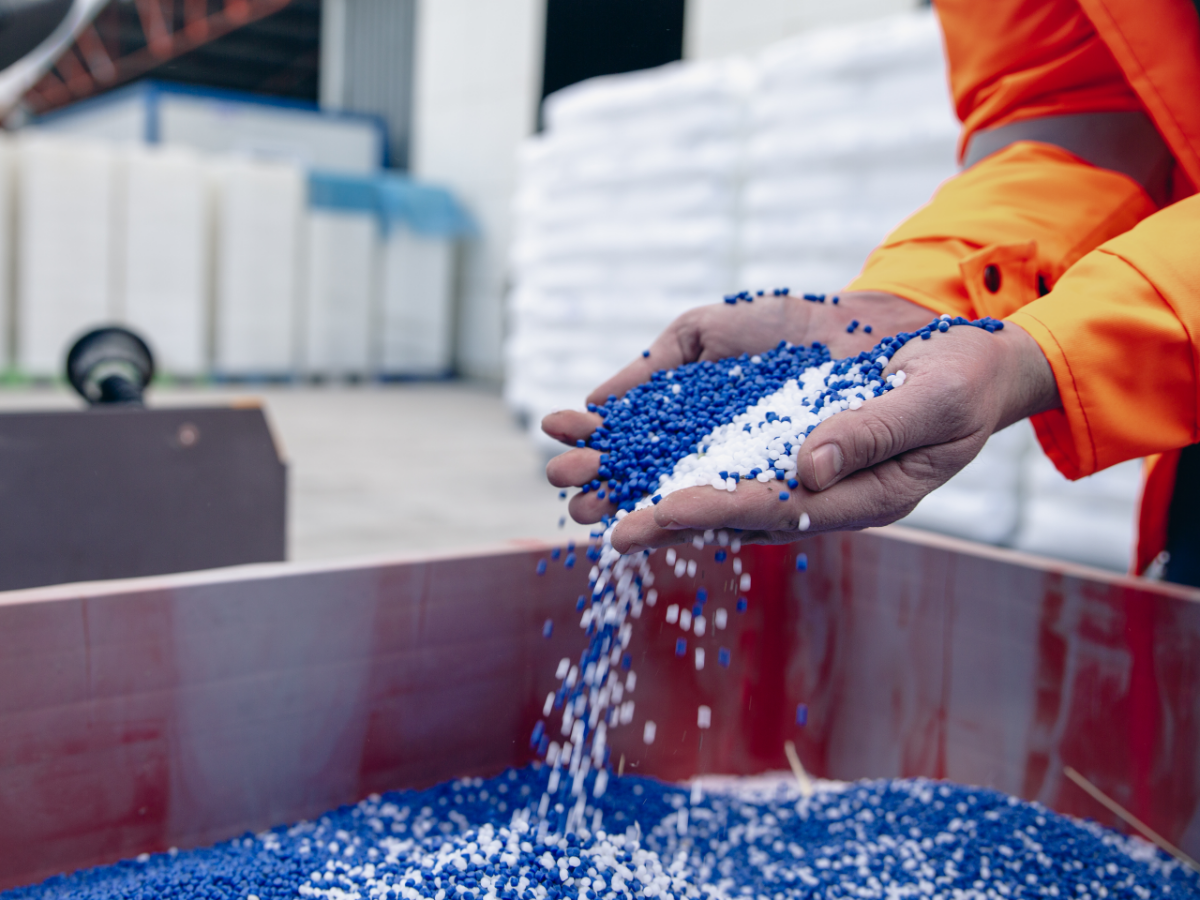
x: 704, y: 717
x: 670, y: 556
x: 698, y: 626
x: 699, y: 658
x: 626, y: 712
x: 723, y: 538
x: 549, y: 704
x: 648, y: 733
x: 685, y: 619
x: 721, y: 618
x: 709, y: 536
x: 691, y: 568
x: 672, y: 613
x: 631, y: 681
x: 805, y: 521
x: 652, y: 597
x: 564, y: 666
x: 601, y: 783
x: 680, y: 568
x: 744, y: 581
x: 735, y: 545
x: 698, y: 542
x: 737, y: 566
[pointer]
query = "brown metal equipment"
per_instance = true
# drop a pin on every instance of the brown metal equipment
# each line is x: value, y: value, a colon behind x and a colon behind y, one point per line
x: 180, y: 710
x: 118, y: 492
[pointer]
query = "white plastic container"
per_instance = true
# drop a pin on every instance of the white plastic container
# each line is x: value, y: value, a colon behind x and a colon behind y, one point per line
x: 217, y: 121
x: 416, y: 308
x: 162, y: 246
x: 65, y: 191
x: 259, y: 256
x: 339, y: 284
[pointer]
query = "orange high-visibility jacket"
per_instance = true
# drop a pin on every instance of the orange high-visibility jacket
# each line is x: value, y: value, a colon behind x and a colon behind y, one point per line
x: 1120, y: 325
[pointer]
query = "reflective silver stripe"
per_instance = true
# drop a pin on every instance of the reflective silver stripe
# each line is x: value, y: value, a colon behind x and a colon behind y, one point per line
x: 1125, y: 142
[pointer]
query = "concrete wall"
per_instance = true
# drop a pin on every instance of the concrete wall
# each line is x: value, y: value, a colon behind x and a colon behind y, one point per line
x: 476, y: 90
x: 716, y: 28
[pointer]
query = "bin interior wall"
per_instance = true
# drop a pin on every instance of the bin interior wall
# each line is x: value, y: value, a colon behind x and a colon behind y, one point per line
x: 181, y: 710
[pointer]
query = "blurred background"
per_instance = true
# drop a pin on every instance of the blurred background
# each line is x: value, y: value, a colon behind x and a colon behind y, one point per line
x: 413, y: 227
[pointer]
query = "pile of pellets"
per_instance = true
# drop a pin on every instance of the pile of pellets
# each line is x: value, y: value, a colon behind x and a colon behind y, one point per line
x: 478, y: 840
x: 568, y: 827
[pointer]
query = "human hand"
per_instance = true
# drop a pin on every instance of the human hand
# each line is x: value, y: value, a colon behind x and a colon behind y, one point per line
x: 870, y: 467
x: 716, y: 332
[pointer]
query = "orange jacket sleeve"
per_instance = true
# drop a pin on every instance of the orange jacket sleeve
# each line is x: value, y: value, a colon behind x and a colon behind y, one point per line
x: 1122, y: 333
x: 1030, y: 211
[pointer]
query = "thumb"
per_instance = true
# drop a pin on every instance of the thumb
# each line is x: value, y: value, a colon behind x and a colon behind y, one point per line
x: 900, y: 420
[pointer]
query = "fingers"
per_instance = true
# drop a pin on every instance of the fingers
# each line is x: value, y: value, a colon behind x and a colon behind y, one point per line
x: 589, y: 508
x: 753, y: 506
x: 574, y: 468
x: 638, y: 531
x: 570, y: 425
x: 914, y: 415
x: 889, y: 490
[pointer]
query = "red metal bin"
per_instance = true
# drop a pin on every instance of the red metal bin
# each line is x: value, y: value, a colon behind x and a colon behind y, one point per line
x: 180, y: 710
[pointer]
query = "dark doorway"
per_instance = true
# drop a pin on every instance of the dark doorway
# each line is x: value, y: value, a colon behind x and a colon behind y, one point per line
x: 586, y: 38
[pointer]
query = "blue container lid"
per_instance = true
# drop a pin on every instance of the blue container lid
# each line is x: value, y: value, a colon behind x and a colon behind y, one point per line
x: 395, y: 199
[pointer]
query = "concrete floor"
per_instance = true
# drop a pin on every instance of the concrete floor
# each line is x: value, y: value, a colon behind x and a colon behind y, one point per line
x: 381, y: 469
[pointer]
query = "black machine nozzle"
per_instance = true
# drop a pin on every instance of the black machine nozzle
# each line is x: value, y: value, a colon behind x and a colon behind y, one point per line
x: 110, y: 365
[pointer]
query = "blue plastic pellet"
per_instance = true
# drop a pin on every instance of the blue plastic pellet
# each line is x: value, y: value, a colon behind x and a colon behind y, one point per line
x: 548, y: 628
x: 569, y: 562
x: 680, y: 646
x: 742, y: 604
x: 867, y: 329
x: 645, y: 354
x: 702, y: 595
x: 541, y: 567
x: 793, y: 483
x: 883, y: 837
x: 721, y: 556
x: 723, y: 657
x: 783, y: 495
x: 801, y: 562
x: 802, y: 714
x: 556, y: 553
x: 562, y: 495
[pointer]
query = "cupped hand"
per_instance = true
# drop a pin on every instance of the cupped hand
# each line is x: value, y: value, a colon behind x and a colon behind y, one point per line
x: 719, y: 331
x: 872, y: 466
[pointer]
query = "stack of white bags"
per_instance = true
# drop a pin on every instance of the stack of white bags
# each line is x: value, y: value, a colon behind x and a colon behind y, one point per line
x: 626, y: 216
x: 652, y: 192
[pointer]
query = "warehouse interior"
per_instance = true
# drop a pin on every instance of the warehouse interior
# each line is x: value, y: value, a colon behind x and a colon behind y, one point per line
x: 317, y: 197
x: 287, y: 291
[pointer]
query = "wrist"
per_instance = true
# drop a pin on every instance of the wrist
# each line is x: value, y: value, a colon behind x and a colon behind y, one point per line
x: 1029, y: 377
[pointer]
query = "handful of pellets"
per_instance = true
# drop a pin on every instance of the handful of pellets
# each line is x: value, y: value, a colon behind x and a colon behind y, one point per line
x: 705, y: 423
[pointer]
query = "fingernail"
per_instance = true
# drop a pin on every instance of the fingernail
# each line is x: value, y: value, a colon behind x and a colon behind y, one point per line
x: 827, y: 464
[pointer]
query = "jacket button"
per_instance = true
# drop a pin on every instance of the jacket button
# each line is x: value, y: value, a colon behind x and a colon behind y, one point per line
x: 991, y: 277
